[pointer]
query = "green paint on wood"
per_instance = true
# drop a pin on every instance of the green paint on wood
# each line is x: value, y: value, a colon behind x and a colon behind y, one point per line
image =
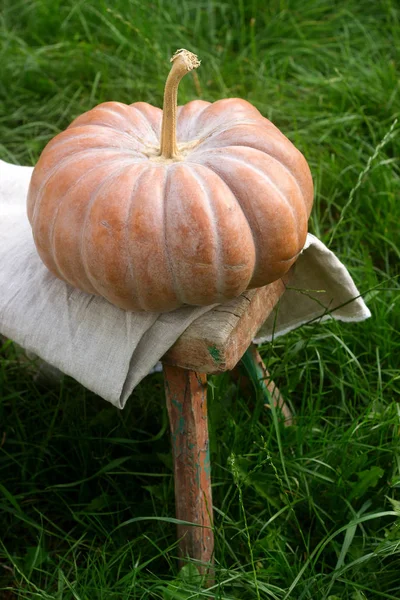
x: 256, y: 375
x: 180, y: 428
x: 177, y: 404
x: 203, y: 465
x: 207, y: 463
x: 181, y: 422
x: 214, y: 353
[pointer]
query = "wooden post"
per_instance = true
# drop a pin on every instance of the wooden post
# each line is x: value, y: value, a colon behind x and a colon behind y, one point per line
x: 258, y: 373
x: 186, y: 395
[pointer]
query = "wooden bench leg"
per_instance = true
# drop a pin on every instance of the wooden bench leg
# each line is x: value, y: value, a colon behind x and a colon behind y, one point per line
x: 186, y: 395
x: 257, y: 372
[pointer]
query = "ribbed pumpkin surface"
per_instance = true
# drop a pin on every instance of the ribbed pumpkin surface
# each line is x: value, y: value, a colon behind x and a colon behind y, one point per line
x: 111, y: 217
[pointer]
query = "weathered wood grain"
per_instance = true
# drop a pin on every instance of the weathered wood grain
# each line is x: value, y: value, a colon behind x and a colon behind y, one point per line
x: 186, y: 395
x: 216, y: 341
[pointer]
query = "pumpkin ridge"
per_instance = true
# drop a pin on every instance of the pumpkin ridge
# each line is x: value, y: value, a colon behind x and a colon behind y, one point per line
x: 225, y: 127
x: 272, y: 184
x: 214, y: 222
x: 199, y: 150
x: 85, y: 135
x: 60, y: 203
x: 280, y: 163
x: 64, y: 162
x: 195, y: 118
x: 176, y: 286
x: 135, y: 105
x: 145, y: 120
x: 244, y: 105
x: 224, y: 268
x: 119, y: 131
x: 274, y: 153
x: 256, y: 252
x: 92, y: 200
x: 125, y: 116
x: 138, y: 296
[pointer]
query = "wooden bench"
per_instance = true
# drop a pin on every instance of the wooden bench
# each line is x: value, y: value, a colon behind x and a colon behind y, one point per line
x: 214, y: 343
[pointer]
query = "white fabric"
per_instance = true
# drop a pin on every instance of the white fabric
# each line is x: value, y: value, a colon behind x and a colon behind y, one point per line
x: 321, y: 288
x: 109, y: 350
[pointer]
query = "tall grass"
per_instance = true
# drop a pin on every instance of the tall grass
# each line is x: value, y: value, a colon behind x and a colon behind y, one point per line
x: 305, y: 512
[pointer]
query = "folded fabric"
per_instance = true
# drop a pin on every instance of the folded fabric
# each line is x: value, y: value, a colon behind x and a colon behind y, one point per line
x: 109, y: 350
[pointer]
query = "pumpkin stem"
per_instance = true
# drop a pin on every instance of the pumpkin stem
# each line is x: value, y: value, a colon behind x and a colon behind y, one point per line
x: 183, y: 62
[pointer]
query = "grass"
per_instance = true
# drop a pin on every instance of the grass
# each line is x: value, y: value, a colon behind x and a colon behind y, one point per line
x: 305, y: 512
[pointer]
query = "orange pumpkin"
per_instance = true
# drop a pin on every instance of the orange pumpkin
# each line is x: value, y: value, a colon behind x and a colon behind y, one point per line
x: 154, y: 209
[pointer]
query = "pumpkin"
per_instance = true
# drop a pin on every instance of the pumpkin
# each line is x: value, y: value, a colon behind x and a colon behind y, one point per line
x: 154, y: 209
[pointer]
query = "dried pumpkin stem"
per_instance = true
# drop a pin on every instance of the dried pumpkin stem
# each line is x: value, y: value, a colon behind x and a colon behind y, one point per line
x: 183, y: 62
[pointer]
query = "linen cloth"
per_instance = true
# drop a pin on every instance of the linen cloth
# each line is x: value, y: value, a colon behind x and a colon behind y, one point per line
x: 109, y: 350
